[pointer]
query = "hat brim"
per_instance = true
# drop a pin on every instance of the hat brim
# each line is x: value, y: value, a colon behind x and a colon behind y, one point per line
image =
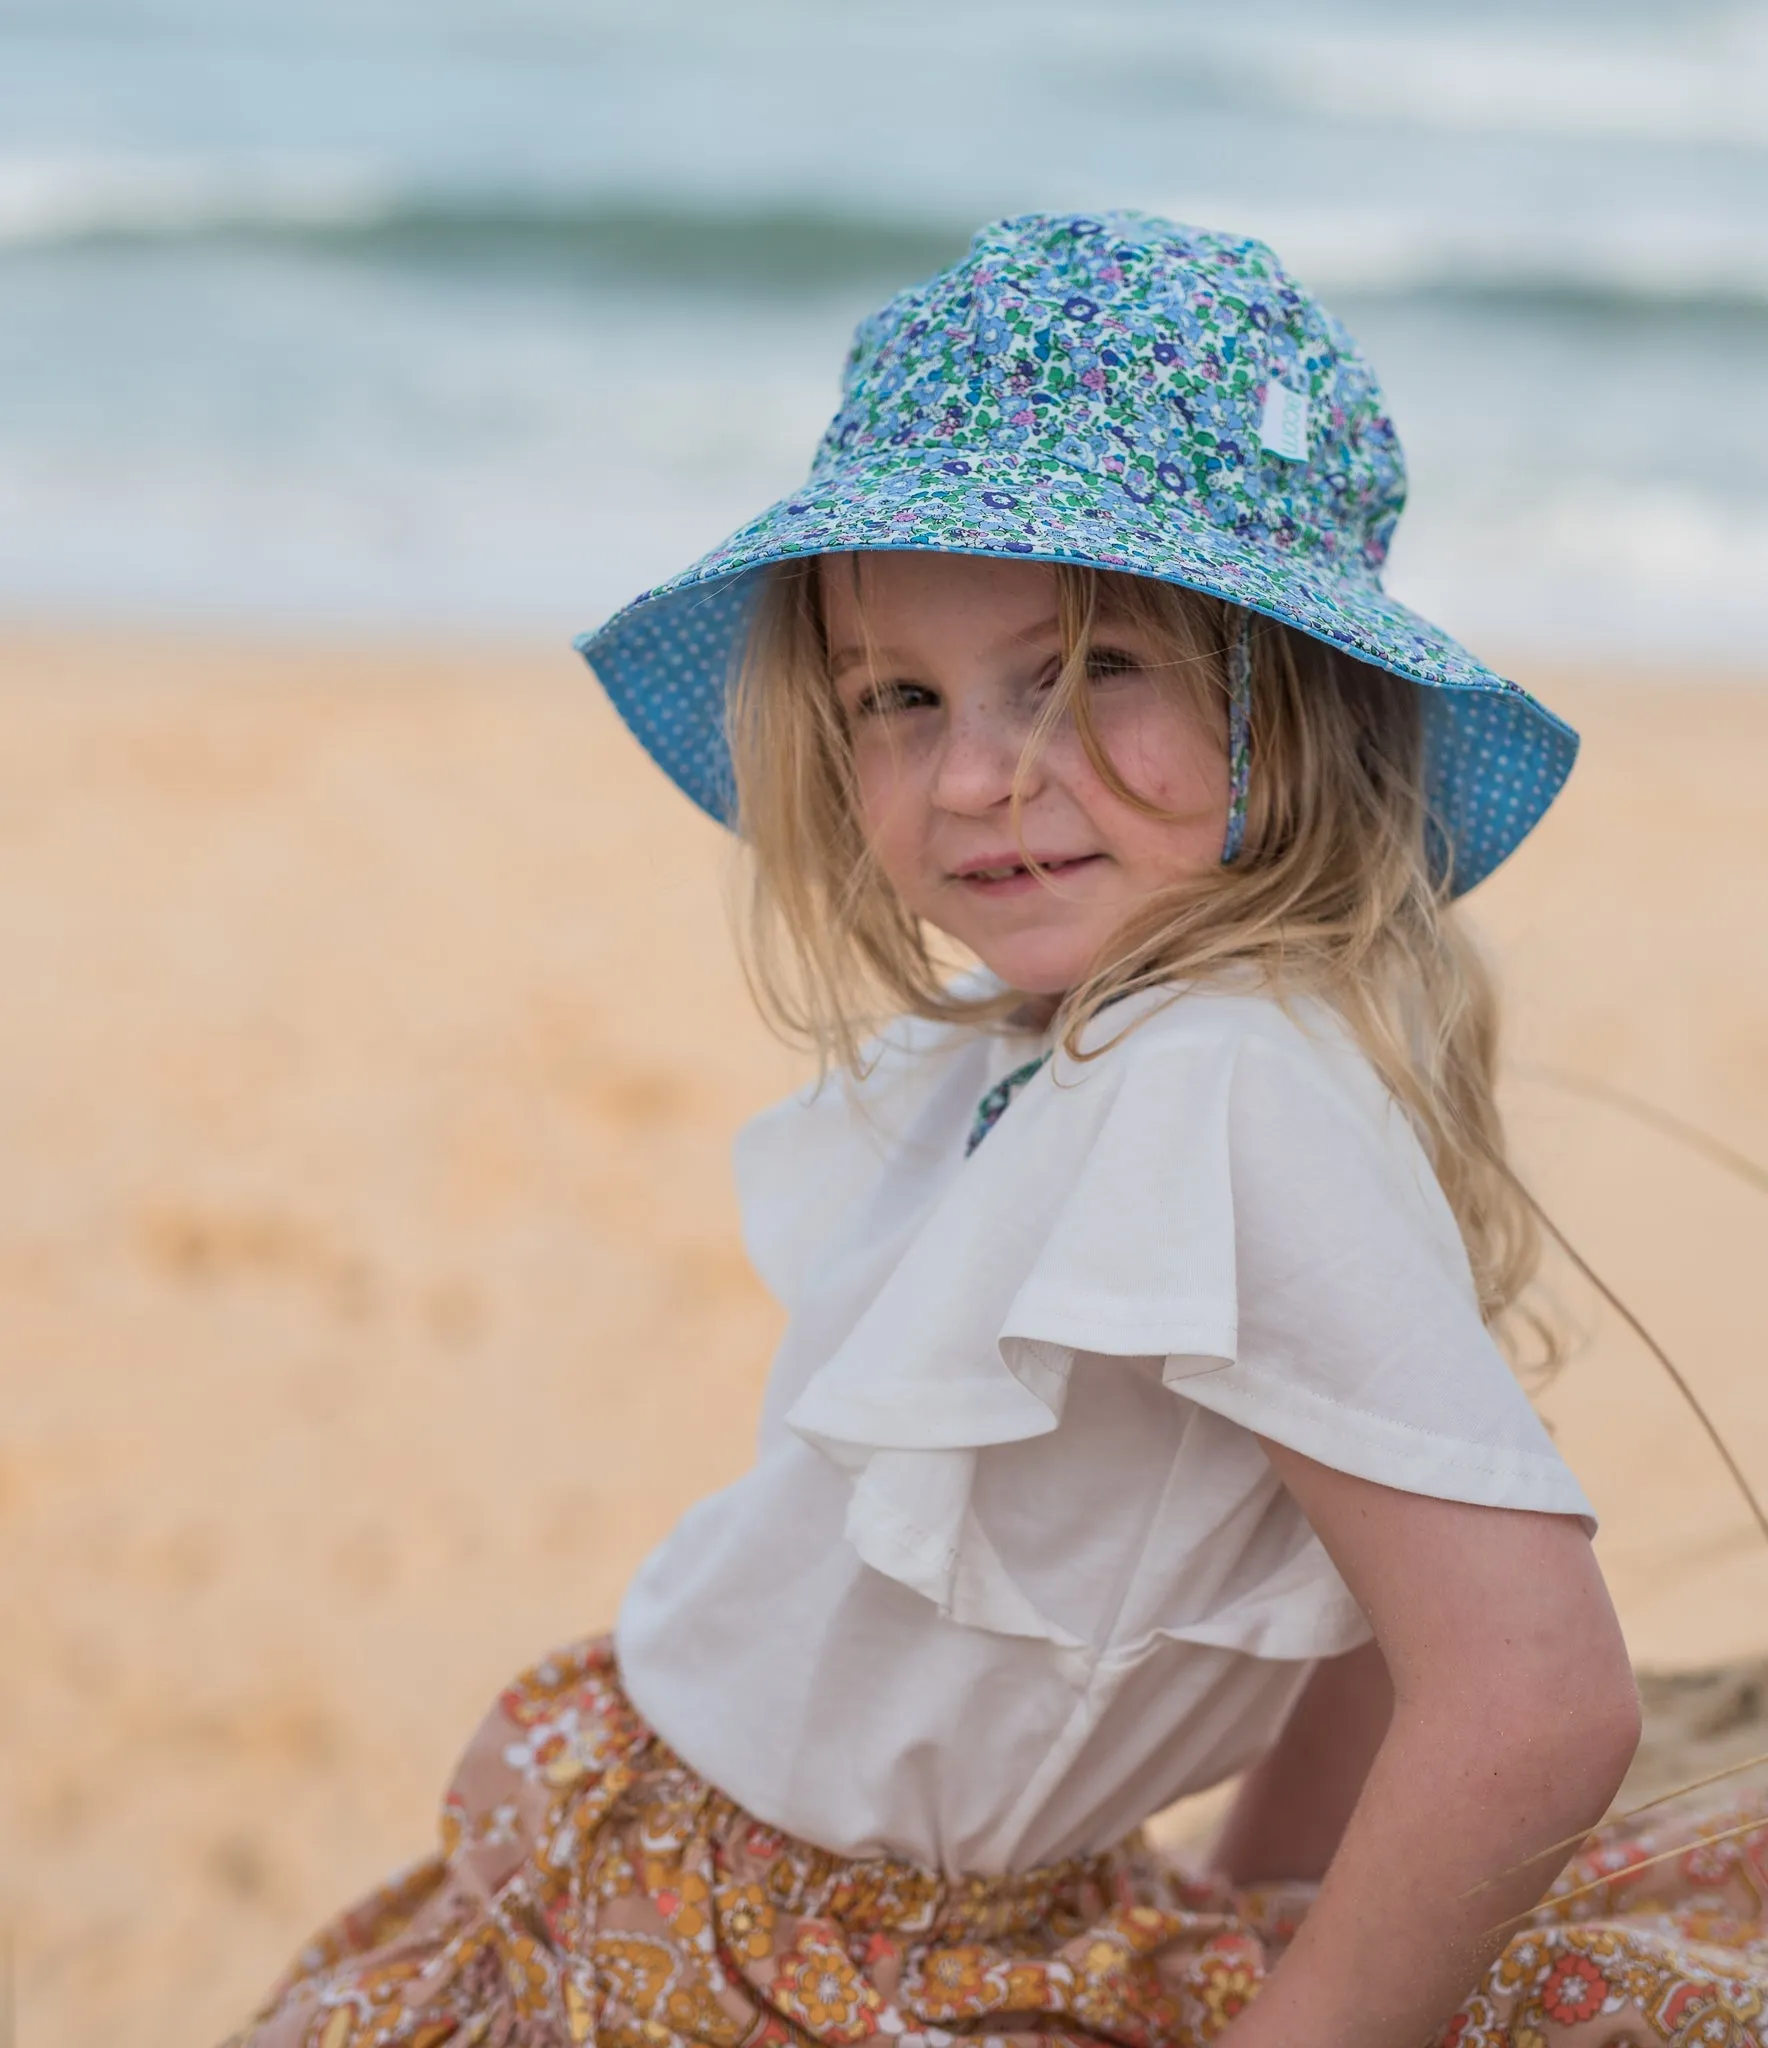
x: 1495, y: 758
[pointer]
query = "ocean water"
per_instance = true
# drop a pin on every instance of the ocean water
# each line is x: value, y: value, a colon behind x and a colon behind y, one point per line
x: 478, y: 315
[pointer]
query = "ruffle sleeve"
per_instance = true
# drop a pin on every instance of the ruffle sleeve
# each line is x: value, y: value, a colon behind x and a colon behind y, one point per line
x: 1230, y: 1195
x: 1361, y: 1343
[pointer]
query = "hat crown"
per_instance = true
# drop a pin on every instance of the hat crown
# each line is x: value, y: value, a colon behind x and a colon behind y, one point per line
x: 1140, y: 353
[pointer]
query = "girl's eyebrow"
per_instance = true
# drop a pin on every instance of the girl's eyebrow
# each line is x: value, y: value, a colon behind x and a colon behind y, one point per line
x: 848, y: 657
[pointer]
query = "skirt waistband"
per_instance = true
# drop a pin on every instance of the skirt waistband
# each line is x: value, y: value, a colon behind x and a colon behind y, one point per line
x: 583, y: 1731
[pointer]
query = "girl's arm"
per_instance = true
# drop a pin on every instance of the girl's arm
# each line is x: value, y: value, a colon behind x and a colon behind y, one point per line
x: 1514, y: 1718
x: 1293, y: 1805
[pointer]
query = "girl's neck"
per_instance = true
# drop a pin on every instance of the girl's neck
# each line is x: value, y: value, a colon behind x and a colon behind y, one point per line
x: 1035, y: 1014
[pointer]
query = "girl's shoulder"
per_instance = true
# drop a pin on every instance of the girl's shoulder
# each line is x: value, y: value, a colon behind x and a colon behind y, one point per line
x: 1159, y: 1027
x: 1263, y: 1105
x: 1239, y: 1071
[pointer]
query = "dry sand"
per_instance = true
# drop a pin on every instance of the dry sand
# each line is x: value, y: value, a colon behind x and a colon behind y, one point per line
x: 372, y: 1291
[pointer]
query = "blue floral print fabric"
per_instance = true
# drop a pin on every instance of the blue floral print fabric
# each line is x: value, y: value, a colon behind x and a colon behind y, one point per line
x: 1119, y: 391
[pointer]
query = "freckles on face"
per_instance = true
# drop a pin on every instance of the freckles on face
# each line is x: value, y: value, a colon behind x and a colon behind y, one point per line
x: 942, y: 665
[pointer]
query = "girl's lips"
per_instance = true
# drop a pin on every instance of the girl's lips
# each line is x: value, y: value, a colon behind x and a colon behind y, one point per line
x: 1012, y: 878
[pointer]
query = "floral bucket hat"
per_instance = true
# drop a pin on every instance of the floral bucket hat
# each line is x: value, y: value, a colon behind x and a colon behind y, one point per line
x: 1117, y: 391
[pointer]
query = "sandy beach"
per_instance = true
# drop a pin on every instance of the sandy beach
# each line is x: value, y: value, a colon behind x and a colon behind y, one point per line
x: 373, y: 1296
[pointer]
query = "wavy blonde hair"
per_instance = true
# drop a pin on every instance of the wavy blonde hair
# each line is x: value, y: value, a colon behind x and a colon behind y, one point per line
x: 1333, y: 893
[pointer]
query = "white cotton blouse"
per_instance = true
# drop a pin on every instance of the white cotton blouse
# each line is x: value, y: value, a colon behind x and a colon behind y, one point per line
x: 1011, y: 1571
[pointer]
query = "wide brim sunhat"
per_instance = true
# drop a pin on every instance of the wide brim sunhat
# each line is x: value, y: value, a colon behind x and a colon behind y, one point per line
x: 1118, y: 392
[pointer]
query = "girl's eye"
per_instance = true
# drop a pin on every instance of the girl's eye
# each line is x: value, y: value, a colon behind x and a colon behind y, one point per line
x: 879, y: 700
x: 1103, y: 665
x: 1105, y: 662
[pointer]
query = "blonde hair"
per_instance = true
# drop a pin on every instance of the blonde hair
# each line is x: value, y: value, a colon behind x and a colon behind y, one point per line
x: 1332, y: 895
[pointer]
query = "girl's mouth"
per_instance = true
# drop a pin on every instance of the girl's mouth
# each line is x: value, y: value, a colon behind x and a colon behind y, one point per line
x: 1013, y: 877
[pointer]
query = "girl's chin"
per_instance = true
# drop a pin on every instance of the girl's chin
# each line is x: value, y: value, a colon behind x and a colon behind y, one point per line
x: 1037, y: 970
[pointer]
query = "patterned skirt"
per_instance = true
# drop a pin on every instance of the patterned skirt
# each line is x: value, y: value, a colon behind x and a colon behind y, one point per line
x: 589, y: 1888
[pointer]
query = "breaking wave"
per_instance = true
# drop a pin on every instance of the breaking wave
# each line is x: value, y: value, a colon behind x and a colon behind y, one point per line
x: 355, y: 213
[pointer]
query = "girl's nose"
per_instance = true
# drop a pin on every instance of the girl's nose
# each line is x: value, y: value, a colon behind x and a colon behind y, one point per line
x: 979, y: 759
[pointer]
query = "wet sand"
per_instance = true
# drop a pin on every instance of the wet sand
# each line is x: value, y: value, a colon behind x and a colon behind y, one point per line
x: 373, y: 1296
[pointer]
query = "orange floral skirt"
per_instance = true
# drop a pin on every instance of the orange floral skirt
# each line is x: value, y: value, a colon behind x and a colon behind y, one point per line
x: 589, y: 1888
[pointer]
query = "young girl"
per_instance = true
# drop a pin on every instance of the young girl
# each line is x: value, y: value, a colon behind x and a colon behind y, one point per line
x: 1139, y: 1421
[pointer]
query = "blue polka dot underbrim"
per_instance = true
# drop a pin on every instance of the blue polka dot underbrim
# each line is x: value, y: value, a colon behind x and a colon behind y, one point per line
x: 1119, y: 392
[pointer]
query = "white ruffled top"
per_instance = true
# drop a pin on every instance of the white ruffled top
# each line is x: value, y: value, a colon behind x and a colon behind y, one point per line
x: 1011, y: 1570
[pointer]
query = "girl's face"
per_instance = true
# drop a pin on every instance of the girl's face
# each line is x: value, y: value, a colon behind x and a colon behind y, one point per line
x: 942, y: 664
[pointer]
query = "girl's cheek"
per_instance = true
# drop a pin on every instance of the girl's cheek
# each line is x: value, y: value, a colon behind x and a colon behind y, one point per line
x: 876, y: 776
x: 1167, y: 757
x: 889, y: 816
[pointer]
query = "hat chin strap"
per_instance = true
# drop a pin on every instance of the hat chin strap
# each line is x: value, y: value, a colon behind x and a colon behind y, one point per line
x: 1239, y: 736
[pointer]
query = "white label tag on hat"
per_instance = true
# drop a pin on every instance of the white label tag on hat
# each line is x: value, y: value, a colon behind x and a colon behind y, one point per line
x: 1284, y: 427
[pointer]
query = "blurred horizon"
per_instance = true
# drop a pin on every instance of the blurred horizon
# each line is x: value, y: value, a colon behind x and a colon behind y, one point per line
x: 469, y: 315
